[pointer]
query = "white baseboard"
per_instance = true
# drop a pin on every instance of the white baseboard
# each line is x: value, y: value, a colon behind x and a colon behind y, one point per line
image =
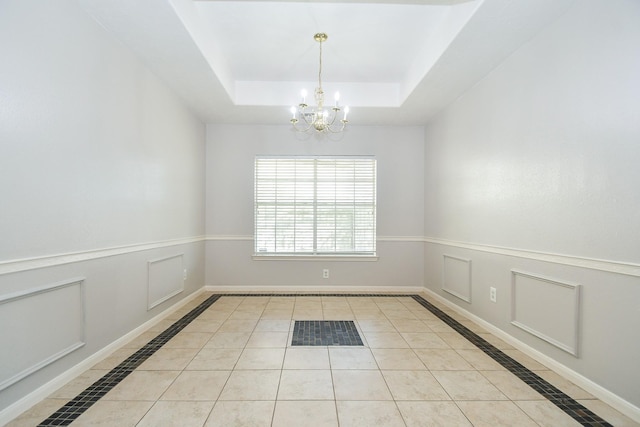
x: 596, y: 390
x: 17, y: 408
x: 244, y: 289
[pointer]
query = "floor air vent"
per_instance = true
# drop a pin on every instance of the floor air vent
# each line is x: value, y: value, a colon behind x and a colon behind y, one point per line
x: 325, y: 332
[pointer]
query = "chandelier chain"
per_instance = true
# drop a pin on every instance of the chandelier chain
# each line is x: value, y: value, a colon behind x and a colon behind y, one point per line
x: 320, y: 68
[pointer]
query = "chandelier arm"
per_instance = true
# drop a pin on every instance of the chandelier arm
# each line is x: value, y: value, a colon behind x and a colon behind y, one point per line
x: 294, y: 122
x: 332, y: 118
x: 338, y: 130
x: 308, y: 121
x: 310, y: 116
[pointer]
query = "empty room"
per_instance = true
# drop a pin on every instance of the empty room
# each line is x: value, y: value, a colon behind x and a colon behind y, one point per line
x: 319, y: 213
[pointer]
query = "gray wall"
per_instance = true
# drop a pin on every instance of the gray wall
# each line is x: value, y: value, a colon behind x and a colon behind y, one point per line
x: 101, y: 171
x: 537, y: 163
x: 231, y: 151
x: 529, y: 180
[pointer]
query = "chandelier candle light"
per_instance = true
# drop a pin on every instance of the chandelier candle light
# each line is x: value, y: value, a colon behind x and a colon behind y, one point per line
x: 318, y: 118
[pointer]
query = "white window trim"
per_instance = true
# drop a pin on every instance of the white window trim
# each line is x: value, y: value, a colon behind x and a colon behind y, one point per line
x: 284, y: 257
x: 319, y: 256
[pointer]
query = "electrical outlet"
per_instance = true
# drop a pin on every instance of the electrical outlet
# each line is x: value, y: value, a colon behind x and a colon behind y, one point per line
x: 325, y: 273
x: 184, y: 274
x: 492, y: 294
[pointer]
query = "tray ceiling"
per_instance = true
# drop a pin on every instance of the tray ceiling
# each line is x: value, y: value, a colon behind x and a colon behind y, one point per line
x: 394, y: 62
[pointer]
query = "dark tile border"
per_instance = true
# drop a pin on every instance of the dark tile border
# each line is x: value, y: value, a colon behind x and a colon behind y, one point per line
x: 74, y: 408
x: 79, y: 404
x: 572, y: 408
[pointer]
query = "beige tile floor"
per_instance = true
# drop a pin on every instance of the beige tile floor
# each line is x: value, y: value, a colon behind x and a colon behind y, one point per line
x: 234, y: 366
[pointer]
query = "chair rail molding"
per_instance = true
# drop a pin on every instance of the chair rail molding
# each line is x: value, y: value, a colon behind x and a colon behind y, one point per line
x: 618, y: 267
x: 24, y: 264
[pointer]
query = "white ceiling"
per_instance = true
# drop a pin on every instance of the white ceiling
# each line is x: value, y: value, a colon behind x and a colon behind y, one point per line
x: 274, y: 41
x: 394, y: 62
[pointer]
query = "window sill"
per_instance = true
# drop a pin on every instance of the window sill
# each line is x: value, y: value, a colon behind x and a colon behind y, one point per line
x: 349, y: 258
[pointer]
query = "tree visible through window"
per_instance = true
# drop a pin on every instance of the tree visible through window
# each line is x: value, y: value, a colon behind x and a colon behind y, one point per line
x: 315, y: 206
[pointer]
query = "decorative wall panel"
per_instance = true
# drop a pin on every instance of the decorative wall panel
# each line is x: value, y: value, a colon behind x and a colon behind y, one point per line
x: 39, y: 326
x: 546, y: 308
x: 456, y: 277
x: 166, y: 279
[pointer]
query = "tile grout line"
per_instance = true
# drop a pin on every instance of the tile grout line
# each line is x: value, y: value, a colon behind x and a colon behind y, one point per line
x: 567, y: 404
x: 83, y: 401
x: 395, y: 401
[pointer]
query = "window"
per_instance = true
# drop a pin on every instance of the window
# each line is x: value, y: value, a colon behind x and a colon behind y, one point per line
x: 315, y: 206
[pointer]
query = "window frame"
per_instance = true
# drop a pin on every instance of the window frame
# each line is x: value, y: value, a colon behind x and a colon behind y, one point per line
x: 315, y: 254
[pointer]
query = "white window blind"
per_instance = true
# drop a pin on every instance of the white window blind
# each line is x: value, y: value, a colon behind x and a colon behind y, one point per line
x: 315, y: 206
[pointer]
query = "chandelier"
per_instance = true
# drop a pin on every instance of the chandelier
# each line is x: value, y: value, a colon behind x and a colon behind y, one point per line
x: 318, y: 118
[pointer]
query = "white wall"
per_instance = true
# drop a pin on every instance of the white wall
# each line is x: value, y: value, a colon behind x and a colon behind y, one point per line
x: 542, y: 157
x: 231, y: 151
x: 100, y: 160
